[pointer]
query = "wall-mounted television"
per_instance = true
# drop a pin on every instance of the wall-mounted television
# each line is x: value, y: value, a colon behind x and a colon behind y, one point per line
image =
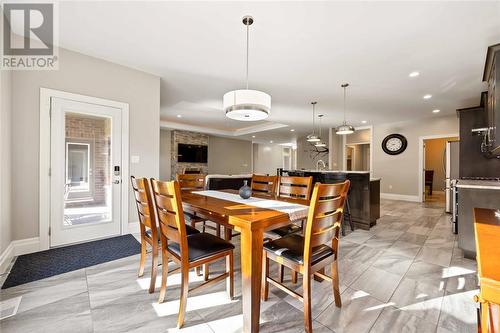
x: 192, y: 153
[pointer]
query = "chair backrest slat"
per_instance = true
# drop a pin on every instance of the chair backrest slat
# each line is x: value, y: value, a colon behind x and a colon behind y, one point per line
x: 191, y: 181
x: 325, y: 217
x: 167, y: 196
x: 264, y: 185
x: 145, y: 206
x: 295, y: 187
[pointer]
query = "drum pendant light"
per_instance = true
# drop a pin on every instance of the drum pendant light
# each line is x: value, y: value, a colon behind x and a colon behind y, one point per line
x: 247, y: 104
x: 313, y: 137
x: 320, y: 143
x: 344, y: 128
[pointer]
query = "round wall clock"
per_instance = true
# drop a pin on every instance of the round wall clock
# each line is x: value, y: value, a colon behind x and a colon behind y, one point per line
x: 394, y: 144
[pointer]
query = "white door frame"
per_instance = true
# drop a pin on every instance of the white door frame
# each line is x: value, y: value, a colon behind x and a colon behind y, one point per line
x: 421, y: 140
x: 44, y: 158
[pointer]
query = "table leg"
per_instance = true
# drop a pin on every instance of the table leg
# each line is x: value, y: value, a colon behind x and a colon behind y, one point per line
x: 251, y: 270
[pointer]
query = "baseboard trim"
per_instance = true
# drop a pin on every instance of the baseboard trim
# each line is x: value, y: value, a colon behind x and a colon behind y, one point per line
x: 6, y: 257
x: 402, y: 197
x: 18, y: 248
x: 27, y: 245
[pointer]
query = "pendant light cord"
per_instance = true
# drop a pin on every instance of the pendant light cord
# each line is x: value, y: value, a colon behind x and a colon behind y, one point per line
x: 314, y: 116
x: 248, y: 28
x: 344, y: 104
x: 319, y: 126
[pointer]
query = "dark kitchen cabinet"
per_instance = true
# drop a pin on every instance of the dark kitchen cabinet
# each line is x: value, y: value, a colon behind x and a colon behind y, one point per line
x: 491, y: 76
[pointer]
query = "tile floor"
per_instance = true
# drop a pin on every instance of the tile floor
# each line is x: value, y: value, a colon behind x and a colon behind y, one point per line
x: 404, y: 275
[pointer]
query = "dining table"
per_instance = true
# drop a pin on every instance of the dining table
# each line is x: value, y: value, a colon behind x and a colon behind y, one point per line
x: 251, y: 218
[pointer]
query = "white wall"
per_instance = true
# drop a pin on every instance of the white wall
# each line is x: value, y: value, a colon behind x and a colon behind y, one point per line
x: 84, y: 75
x: 229, y: 156
x: 267, y: 158
x: 5, y: 159
x: 165, y: 156
x: 400, y: 173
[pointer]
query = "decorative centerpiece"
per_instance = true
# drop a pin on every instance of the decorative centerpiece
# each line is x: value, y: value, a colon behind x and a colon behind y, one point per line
x: 245, y: 190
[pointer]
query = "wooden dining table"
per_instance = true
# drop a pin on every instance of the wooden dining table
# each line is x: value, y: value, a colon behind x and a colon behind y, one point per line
x: 251, y: 222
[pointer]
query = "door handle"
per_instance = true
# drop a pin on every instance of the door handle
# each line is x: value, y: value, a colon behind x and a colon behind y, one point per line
x: 117, y: 181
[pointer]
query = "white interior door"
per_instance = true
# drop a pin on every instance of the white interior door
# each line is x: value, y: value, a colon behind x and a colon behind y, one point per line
x: 85, y: 183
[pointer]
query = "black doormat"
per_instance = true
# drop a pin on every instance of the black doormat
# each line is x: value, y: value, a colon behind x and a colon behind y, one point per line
x: 41, y: 265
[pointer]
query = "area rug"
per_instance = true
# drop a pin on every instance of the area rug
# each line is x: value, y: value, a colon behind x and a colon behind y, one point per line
x: 41, y: 265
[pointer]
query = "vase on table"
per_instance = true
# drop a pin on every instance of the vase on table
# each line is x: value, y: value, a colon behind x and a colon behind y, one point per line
x: 245, y: 190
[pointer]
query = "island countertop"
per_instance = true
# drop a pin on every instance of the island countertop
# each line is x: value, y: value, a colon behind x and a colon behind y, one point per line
x: 479, y: 184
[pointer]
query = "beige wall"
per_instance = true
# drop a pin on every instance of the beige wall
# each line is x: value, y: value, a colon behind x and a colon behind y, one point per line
x: 359, y: 136
x: 401, y: 172
x: 336, y: 149
x: 5, y: 159
x: 165, y: 156
x: 85, y: 75
x: 229, y: 156
x: 434, y: 159
x: 267, y: 158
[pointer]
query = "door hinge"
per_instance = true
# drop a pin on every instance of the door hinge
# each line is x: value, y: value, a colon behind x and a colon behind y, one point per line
x: 50, y: 172
x: 50, y: 230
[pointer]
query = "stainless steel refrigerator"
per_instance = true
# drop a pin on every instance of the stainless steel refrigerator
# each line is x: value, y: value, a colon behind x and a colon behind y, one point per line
x: 451, y: 160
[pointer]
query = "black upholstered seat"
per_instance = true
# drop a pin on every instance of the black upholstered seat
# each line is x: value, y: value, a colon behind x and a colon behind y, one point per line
x: 202, y: 245
x: 292, y: 247
x: 286, y: 230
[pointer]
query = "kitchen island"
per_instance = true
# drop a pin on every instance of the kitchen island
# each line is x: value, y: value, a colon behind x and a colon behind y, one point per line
x: 364, y: 194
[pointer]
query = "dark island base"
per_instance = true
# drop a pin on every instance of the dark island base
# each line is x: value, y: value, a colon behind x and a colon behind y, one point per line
x: 364, y: 194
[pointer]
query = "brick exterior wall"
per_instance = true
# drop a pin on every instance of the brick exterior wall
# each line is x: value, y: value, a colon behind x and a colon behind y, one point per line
x: 187, y: 138
x: 97, y: 132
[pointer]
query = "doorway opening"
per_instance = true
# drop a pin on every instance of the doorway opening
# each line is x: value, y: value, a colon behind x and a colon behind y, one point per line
x: 440, y: 165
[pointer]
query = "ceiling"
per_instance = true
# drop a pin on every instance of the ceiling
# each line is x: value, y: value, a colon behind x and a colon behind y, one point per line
x: 299, y: 52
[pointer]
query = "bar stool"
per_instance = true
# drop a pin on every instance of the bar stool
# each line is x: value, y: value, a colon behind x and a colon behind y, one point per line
x: 347, y: 214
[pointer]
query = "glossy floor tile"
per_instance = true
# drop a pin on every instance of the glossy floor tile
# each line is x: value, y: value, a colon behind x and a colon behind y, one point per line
x: 406, y: 274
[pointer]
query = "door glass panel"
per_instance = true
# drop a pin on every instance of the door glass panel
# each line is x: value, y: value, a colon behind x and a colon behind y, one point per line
x: 88, y: 178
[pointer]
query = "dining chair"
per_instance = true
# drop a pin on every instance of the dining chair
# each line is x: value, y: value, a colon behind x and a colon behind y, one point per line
x: 195, y: 182
x: 188, y: 252
x: 264, y: 185
x: 311, y: 253
x: 291, y: 188
x: 148, y: 226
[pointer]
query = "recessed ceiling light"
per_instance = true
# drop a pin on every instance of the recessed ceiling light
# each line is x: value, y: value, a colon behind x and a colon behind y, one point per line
x: 363, y: 121
x: 292, y: 130
x: 179, y: 116
x: 414, y: 74
x: 436, y: 110
x: 253, y: 136
x: 271, y: 141
x: 427, y: 96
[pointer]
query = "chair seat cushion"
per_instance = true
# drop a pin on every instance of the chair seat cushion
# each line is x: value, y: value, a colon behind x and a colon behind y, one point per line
x: 192, y: 218
x: 286, y: 230
x: 189, y: 231
x: 291, y: 247
x: 202, y: 245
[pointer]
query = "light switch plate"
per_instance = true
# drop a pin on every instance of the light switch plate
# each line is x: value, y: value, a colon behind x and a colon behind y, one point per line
x: 134, y: 159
